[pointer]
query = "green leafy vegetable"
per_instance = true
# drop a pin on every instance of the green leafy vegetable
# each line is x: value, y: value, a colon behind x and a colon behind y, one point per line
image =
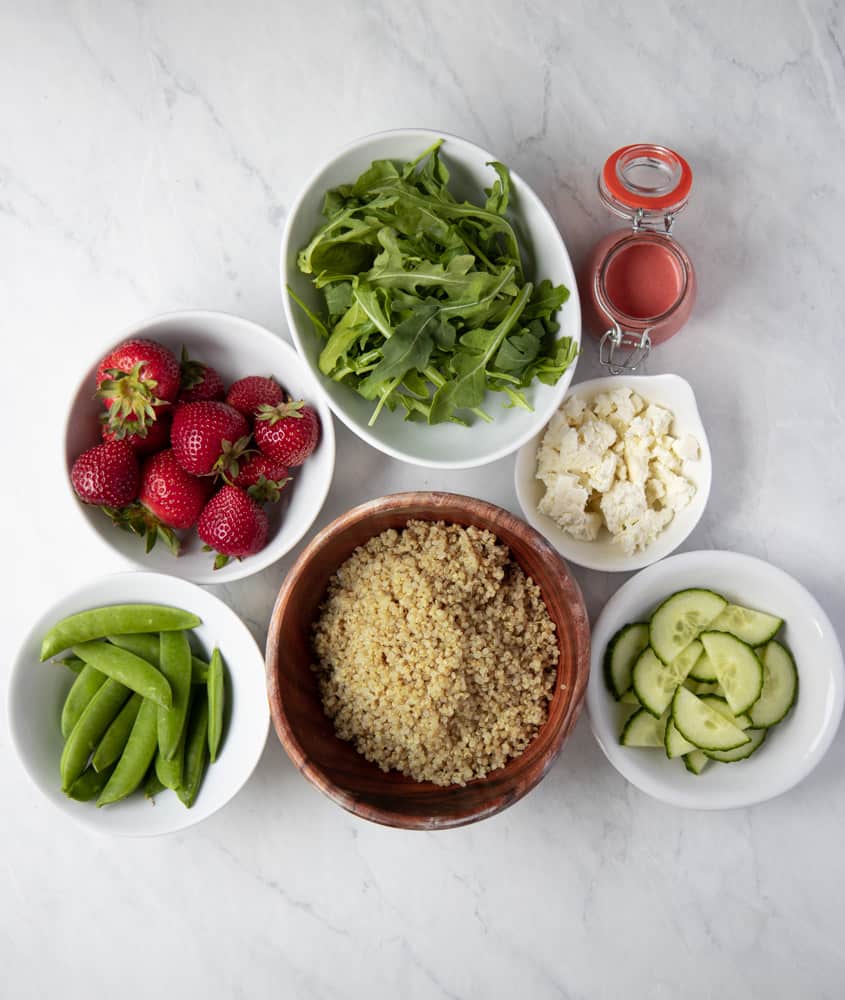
x: 426, y: 305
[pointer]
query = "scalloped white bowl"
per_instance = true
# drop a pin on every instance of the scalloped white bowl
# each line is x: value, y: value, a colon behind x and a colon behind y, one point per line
x: 793, y: 747
x: 676, y: 394
x: 235, y: 347
x: 37, y: 692
x: 442, y: 446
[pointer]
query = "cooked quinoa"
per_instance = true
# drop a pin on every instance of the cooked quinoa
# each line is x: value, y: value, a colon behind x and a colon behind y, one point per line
x: 436, y: 655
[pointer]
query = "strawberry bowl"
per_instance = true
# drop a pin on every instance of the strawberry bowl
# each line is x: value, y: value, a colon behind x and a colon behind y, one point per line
x: 235, y: 348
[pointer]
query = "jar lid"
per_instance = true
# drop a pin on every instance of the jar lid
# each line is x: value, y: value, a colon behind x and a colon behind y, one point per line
x: 646, y: 183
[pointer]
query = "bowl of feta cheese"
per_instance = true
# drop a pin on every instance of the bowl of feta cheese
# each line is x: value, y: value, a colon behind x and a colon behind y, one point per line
x: 620, y: 475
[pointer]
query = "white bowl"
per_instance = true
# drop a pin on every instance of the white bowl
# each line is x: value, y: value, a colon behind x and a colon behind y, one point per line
x: 236, y: 348
x: 670, y: 391
x: 444, y: 446
x: 793, y: 747
x: 37, y: 692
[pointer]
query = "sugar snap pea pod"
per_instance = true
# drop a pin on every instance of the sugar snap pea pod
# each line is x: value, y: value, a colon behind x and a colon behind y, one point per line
x: 136, y: 757
x: 114, y: 619
x: 216, y: 698
x: 89, y: 784
x: 175, y: 663
x: 116, y: 736
x: 152, y: 786
x: 196, y: 751
x: 169, y: 772
x: 148, y: 647
x: 88, y: 731
x: 73, y: 663
x: 131, y: 670
x: 88, y: 682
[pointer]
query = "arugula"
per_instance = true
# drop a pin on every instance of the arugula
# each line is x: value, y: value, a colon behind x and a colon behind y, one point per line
x: 426, y: 305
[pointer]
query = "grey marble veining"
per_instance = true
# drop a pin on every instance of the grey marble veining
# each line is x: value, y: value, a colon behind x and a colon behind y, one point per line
x: 149, y: 152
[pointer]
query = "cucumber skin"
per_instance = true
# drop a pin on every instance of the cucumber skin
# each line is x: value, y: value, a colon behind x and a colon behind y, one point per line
x: 749, y: 749
x: 670, y: 725
x: 750, y: 648
x: 791, y: 704
x: 688, y: 590
x: 629, y: 722
x: 672, y: 712
x: 608, y: 657
x: 691, y: 765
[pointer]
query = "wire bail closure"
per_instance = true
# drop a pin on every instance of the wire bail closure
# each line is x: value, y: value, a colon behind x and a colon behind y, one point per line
x: 616, y: 338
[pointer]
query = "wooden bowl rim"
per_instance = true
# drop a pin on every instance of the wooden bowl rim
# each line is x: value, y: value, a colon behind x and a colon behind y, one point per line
x: 397, y: 502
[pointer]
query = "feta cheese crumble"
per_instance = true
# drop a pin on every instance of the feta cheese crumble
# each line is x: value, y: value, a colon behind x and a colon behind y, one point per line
x: 614, y: 463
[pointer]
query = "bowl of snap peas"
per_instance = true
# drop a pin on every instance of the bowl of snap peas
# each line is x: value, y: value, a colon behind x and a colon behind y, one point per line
x: 137, y: 704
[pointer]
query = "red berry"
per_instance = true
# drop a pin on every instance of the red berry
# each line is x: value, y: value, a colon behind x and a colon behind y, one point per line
x: 263, y: 478
x: 107, y: 475
x: 288, y: 432
x: 169, y: 493
x: 233, y: 524
x: 247, y: 394
x: 157, y: 436
x: 208, y: 437
x: 199, y: 381
x: 135, y: 381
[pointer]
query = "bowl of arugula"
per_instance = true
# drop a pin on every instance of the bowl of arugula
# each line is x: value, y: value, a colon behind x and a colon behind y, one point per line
x: 430, y: 291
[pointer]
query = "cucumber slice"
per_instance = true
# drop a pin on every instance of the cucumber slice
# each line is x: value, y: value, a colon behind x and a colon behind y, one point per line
x: 702, y: 725
x: 717, y: 703
x: 643, y: 730
x: 621, y: 655
x: 655, y: 682
x: 708, y: 687
x: 737, y: 667
x: 780, y: 686
x: 675, y: 744
x: 695, y: 761
x: 703, y: 671
x: 680, y: 619
x: 629, y: 698
x: 730, y: 756
x: 754, y: 627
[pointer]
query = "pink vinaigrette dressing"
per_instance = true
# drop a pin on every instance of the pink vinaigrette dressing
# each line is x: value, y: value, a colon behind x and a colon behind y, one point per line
x: 638, y: 284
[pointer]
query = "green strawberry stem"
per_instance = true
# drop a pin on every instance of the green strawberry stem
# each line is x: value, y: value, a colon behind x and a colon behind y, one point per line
x: 131, y: 399
x: 136, y: 519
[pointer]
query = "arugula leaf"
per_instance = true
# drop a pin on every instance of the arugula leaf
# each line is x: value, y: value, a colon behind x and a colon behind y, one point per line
x: 499, y: 194
x: 409, y: 347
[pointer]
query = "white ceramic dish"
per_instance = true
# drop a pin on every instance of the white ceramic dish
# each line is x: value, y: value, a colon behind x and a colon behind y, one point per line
x: 236, y: 348
x: 37, y: 692
x: 444, y: 446
x: 604, y: 554
x: 793, y: 747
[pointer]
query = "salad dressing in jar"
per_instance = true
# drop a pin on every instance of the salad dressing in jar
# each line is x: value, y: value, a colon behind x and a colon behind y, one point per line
x: 638, y: 284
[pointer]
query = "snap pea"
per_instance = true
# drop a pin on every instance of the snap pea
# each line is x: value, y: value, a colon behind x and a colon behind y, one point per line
x: 196, y: 749
x: 114, y: 619
x: 131, y: 670
x: 136, y: 757
x: 88, y: 682
x: 86, y: 734
x: 73, y: 663
x: 89, y: 784
x: 147, y: 647
x: 175, y: 664
x: 115, y: 738
x: 152, y: 786
x: 215, y: 703
x: 169, y: 772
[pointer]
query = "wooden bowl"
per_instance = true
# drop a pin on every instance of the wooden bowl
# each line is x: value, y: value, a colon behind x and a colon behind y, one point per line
x: 334, y: 765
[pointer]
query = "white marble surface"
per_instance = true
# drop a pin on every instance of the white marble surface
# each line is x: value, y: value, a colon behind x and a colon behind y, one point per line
x: 148, y: 154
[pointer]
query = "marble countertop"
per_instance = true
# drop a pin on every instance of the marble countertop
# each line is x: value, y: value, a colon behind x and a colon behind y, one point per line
x: 149, y: 154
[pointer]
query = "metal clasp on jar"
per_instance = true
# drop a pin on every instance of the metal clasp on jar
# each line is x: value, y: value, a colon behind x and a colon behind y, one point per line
x: 615, y: 339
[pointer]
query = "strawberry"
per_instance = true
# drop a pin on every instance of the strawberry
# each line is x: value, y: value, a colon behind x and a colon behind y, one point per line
x: 144, y: 441
x: 288, y: 432
x: 247, y: 394
x: 135, y: 381
x: 209, y: 438
x: 263, y: 478
x: 232, y: 524
x: 199, y: 381
x: 106, y: 474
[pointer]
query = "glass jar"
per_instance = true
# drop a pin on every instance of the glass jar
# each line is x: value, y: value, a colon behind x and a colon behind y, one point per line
x: 638, y: 284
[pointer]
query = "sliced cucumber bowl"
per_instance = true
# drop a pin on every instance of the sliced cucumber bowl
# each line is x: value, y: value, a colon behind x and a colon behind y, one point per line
x: 694, y: 694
